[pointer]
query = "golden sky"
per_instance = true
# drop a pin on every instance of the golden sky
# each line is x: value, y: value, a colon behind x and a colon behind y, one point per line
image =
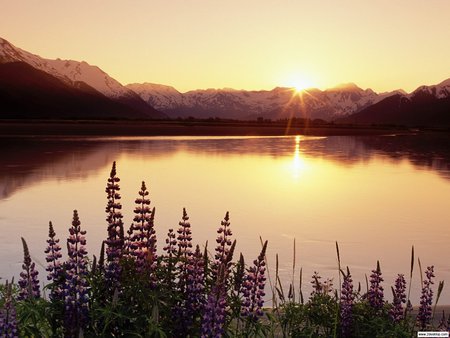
x: 245, y: 44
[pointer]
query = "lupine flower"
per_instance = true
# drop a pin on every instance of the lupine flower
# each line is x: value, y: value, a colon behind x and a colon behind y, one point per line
x: 195, y: 286
x: 54, y: 267
x: 223, y: 241
x: 184, y: 237
x: 184, y: 253
x: 142, y: 235
x: 115, y: 240
x: 375, y: 294
x: 193, y: 302
x: 426, y: 300
x: 215, y: 310
x: 29, y: 282
x: 253, y: 287
x: 239, y: 275
x: 76, y: 286
x: 8, y: 321
x: 171, y: 251
x: 184, y: 249
x: 346, y: 304
x: 319, y: 287
x: 214, y: 316
x: 128, y: 247
x: 148, y: 248
x: 399, y: 294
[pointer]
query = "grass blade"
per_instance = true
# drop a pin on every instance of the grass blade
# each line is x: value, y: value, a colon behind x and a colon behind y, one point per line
x: 440, y: 288
x: 410, y: 275
x: 339, y: 268
x: 293, y: 272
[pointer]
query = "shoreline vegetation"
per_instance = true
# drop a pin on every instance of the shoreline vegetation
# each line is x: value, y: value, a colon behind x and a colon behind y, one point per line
x: 184, y: 289
x: 196, y: 127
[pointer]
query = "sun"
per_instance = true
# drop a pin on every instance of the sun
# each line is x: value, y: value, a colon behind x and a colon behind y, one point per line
x: 299, y: 83
x: 300, y: 87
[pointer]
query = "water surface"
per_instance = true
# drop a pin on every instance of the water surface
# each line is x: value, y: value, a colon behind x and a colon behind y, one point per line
x: 377, y: 196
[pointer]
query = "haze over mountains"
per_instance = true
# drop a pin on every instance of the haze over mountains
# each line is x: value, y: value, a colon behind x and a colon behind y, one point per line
x: 34, y: 87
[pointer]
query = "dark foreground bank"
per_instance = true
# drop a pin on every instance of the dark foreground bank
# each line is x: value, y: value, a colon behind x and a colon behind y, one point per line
x: 186, y: 128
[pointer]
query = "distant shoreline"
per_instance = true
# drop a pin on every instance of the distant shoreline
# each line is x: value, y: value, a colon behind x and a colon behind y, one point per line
x: 184, y: 128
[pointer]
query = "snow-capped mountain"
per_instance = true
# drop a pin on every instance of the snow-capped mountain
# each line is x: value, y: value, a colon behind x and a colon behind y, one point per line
x: 241, y: 104
x: 165, y: 97
x: 425, y: 106
x: 68, y: 71
x: 439, y: 91
x: 75, y: 73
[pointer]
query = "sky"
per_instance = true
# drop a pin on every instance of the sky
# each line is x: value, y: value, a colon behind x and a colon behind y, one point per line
x: 245, y: 44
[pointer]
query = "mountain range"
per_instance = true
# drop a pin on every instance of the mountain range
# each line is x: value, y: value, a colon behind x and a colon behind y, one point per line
x: 426, y: 106
x: 278, y: 103
x: 35, y: 87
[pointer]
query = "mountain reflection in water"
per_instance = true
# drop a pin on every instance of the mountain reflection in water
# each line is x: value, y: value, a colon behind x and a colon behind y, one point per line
x: 26, y: 161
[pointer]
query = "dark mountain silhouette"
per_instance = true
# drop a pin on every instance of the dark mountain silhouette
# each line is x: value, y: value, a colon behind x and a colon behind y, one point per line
x: 426, y: 106
x: 26, y: 92
x: 78, y: 75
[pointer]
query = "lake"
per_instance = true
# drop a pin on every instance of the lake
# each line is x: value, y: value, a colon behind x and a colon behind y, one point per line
x: 375, y: 195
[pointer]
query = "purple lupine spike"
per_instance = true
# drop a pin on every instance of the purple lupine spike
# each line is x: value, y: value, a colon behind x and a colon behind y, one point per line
x: 223, y: 241
x: 375, y: 294
x: 169, y: 257
x: 224, y: 249
x: 115, y: 240
x: 29, y: 282
x: 76, y: 285
x: 184, y: 241
x: 239, y: 275
x: 149, y: 247
x: 346, y: 304
x: 253, y: 287
x: 54, y: 267
x: 184, y: 237
x: 214, y: 316
x: 192, y: 304
x: 399, y: 298
x: 195, y: 284
x: 426, y: 300
x: 145, y: 217
x: 171, y: 244
x: 143, y: 237
x: 8, y: 320
x: 128, y: 247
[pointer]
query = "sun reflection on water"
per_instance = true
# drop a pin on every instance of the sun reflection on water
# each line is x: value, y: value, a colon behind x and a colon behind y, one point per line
x: 299, y: 164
